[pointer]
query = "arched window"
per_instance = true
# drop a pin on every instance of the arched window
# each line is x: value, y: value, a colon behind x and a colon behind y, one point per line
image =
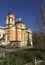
x: 9, y: 20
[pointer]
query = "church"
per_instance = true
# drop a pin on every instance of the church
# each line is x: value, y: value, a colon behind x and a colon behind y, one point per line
x: 15, y: 33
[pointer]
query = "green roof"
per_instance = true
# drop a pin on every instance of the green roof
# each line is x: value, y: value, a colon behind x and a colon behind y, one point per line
x: 10, y: 12
x: 18, y: 22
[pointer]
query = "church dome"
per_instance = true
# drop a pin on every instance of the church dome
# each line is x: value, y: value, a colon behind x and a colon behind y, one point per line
x: 20, y: 24
x: 10, y: 14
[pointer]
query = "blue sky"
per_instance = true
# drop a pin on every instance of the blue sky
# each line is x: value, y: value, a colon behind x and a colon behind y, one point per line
x: 24, y: 8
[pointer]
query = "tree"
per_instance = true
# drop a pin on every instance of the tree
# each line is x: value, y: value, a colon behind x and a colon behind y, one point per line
x: 36, y: 39
x: 40, y: 27
x: 40, y: 21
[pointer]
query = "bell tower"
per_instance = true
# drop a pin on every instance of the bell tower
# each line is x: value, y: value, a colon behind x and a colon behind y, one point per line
x: 9, y: 23
x: 10, y: 19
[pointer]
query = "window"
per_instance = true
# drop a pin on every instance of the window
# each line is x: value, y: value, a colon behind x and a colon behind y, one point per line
x: 8, y: 31
x: 21, y: 25
x: 9, y: 20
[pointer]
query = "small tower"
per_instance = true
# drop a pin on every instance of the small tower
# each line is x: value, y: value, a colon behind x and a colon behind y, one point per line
x: 10, y: 19
x: 19, y: 19
x: 9, y: 24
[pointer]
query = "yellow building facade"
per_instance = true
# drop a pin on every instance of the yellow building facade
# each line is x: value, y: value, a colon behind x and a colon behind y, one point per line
x: 16, y: 33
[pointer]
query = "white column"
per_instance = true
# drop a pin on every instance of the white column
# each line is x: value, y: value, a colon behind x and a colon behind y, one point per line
x: 30, y: 36
x: 11, y: 21
x: 6, y: 20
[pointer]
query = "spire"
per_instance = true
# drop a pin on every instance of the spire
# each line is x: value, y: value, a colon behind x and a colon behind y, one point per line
x: 10, y: 12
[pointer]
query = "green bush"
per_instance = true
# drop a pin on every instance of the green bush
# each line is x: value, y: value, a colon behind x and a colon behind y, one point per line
x: 23, y: 57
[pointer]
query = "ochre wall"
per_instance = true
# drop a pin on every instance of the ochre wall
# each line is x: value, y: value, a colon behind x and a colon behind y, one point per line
x: 12, y: 36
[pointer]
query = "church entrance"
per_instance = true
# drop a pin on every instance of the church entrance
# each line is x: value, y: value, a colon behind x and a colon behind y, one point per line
x: 15, y: 44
